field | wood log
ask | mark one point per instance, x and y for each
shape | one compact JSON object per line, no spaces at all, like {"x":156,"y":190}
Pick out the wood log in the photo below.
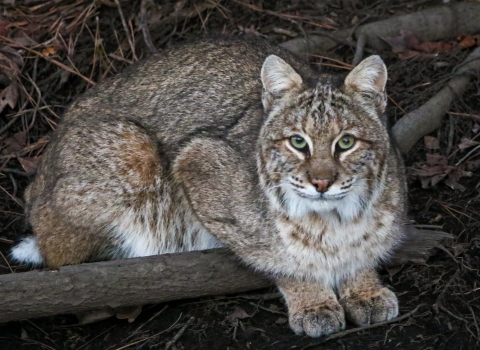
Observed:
{"x":155,"y":279}
{"x":436,"y":23}
{"x":110,"y":284}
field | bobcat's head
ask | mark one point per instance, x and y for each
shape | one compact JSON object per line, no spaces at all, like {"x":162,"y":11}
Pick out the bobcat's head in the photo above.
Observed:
{"x":323,"y":147}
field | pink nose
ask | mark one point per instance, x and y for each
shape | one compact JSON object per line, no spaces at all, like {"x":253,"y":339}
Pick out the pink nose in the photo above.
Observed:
{"x":321,"y":185}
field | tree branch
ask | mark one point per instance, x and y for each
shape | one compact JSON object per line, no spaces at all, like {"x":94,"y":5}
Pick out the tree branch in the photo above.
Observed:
{"x":148,"y":280}
{"x":435,"y":23}
{"x":428,"y":117}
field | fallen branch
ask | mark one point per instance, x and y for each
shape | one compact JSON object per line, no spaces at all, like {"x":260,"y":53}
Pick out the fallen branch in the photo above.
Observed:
{"x":111,"y":284}
{"x":156,"y":279}
{"x":435,"y":23}
{"x":428,"y":117}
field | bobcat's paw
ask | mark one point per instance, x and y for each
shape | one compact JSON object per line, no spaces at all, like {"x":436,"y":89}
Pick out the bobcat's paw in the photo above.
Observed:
{"x":318,"y":321}
{"x":367,"y":309}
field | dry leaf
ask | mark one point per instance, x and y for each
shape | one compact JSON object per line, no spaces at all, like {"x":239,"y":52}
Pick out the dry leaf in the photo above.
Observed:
{"x":436,"y":179}
{"x":12,"y":55}
{"x":237,"y":314}
{"x":454,"y":185}
{"x":8,"y":67}
{"x":401,"y":43}
{"x":15,"y":143}
{"x":4,"y":27}
{"x":23,"y":334}
{"x":128,"y":312}
{"x":9,"y":96}
{"x":437,"y":170}
{"x":429,"y":171}
{"x":35,"y":30}
{"x":433,"y":47}
{"x":21,"y":38}
{"x":466,"y":143}
{"x":92,"y":316}
{"x":29,"y":164}
{"x":436,"y":159}
{"x":467,"y":41}
{"x":431,"y":142}
{"x":407,"y":45}
{"x":472,"y":165}
{"x":476,"y":128}
{"x":49,"y":51}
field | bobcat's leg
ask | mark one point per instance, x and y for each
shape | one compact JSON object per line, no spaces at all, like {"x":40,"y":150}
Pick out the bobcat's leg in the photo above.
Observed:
{"x":313,"y":308}
{"x":365,"y":300}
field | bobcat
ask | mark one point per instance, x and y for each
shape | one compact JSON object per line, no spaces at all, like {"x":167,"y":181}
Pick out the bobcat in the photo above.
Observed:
{"x":231,"y":141}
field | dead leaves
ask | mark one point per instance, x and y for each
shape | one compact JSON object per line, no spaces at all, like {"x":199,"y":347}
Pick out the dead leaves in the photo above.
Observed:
{"x":467,"y":41}
{"x":237,"y":314}
{"x":14,"y":143}
{"x":29,"y":164}
{"x":436,"y":168}
{"x":9,"y":96}
{"x":408,"y":45}
{"x":16,"y":146}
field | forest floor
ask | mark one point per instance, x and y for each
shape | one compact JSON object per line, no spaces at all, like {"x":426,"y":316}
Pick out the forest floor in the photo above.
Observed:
{"x":52,"y":51}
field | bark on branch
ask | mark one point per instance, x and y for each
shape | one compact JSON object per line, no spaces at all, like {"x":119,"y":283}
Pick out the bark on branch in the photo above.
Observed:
{"x":437,"y":23}
{"x":111,"y":284}
{"x":428,"y":117}
{"x":130,"y":282}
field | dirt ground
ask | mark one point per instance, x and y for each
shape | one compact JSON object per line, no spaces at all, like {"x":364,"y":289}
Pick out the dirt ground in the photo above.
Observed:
{"x":51,"y":51}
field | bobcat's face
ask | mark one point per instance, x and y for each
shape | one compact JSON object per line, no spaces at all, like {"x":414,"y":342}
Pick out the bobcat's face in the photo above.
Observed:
{"x":322,"y":148}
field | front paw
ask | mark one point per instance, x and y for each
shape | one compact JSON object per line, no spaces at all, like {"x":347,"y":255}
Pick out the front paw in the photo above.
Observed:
{"x":364,"y":309}
{"x":318,"y":321}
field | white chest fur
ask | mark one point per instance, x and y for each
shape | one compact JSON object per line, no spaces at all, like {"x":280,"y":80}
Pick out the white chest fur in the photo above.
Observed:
{"x":324,"y":247}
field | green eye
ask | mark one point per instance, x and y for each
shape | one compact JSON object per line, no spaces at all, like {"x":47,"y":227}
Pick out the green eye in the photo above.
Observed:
{"x":299,"y":143}
{"x":346,"y":142}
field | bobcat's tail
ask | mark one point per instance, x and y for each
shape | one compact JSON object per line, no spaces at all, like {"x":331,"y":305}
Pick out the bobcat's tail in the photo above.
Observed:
{"x":27,"y":252}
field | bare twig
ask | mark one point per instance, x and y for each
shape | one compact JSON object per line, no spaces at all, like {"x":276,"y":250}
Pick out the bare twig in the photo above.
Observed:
{"x":284,"y":16}
{"x":96,"y":337}
{"x":9,"y":124}
{"x":475,"y":321}
{"x":144,"y":27}
{"x":6,"y":261}
{"x":359,"y":329}
{"x":451,"y":314}
{"x":14,"y":184}
{"x":127,"y":31}
{"x":180,"y":333}
{"x":468,"y":115}
{"x":149,"y":320}
{"x":467,"y":155}
{"x":269,"y":310}
{"x":451,"y":133}
{"x":150,"y":337}
{"x":60,"y":64}
{"x":359,"y":49}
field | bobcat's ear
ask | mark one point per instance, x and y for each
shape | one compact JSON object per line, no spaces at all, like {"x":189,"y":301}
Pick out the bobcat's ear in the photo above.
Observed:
{"x":278,"y":77}
{"x":369,"y":78}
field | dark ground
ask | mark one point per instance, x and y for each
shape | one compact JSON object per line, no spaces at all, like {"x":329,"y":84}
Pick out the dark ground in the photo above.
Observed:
{"x":90,"y":40}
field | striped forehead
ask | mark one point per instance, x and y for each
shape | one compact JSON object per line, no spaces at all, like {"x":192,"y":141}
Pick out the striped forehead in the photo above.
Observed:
{"x":324,"y":106}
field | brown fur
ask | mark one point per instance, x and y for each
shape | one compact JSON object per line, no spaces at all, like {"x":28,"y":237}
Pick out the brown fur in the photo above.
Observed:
{"x":192,"y":149}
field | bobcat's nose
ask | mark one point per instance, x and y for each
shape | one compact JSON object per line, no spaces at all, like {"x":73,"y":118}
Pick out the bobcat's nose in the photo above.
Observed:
{"x":321,"y":185}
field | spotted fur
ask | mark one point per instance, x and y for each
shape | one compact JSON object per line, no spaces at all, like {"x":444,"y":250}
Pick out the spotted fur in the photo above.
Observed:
{"x":192,"y":149}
